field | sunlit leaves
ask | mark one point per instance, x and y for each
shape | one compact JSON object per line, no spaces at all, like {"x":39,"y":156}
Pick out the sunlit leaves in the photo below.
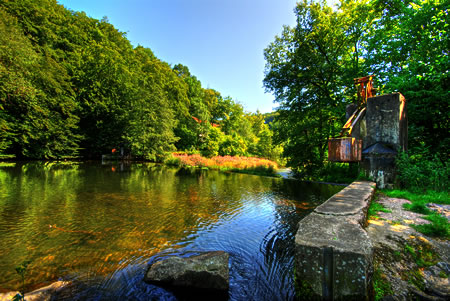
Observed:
{"x":310,"y":70}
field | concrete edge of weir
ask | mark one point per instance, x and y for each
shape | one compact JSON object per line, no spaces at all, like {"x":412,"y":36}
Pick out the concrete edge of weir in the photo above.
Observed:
{"x":333,"y":253}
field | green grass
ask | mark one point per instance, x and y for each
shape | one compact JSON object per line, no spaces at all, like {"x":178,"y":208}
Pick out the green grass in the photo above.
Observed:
{"x":376,"y":207}
{"x":381,"y":286}
{"x":431,"y":196}
{"x":439,"y":226}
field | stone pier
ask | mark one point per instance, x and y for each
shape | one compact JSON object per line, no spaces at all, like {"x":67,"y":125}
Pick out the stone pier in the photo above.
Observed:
{"x":333,"y":253}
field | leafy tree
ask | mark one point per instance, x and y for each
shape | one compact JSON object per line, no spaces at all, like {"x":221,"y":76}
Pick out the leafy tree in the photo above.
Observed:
{"x":408,"y":49}
{"x":309,"y":69}
{"x":213,"y":140}
{"x":232,"y":145}
{"x":71,"y":84}
{"x":149,"y":133}
{"x":38,"y":118}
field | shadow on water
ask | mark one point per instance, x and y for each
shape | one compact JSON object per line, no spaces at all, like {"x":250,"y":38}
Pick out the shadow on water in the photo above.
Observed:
{"x":101,"y":225}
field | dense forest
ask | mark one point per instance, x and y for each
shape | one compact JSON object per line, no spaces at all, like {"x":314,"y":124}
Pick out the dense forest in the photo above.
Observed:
{"x":310,"y":69}
{"x":71,"y":85}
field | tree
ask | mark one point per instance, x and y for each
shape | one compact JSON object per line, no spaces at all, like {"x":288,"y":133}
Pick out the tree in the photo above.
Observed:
{"x":36,"y":100}
{"x":151,"y":119}
{"x":310,"y":70}
{"x":408,"y":49}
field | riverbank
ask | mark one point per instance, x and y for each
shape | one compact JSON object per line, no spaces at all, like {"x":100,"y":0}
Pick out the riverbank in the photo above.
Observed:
{"x":247,"y":165}
{"x":408,"y":265}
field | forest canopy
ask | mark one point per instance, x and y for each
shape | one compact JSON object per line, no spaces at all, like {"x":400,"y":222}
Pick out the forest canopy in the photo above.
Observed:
{"x":71,"y":85}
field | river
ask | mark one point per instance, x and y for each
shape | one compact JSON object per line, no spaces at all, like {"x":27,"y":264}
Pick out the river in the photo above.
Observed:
{"x":101,"y":225}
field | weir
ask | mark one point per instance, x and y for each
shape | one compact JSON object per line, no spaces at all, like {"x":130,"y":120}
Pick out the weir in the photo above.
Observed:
{"x":333,"y":253}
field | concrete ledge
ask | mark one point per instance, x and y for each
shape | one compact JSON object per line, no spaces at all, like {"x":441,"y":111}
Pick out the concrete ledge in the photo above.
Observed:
{"x":334,"y":255}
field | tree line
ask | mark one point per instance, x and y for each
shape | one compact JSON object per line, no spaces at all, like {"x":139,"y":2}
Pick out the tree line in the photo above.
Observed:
{"x":72,"y":85}
{"x":310,"y":69}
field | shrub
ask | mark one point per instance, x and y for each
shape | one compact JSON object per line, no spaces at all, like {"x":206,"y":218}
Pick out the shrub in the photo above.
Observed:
{"x":420,"y":172}
{"x":241,"y":164}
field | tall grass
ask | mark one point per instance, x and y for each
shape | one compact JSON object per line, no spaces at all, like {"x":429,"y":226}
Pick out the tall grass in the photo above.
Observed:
{"x":233,"y":163}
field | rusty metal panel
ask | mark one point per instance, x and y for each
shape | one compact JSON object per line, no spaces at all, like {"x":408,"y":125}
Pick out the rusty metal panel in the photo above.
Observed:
{"x":344,"y":149}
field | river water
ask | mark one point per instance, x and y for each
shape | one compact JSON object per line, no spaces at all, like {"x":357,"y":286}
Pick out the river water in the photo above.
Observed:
{"x":101,"y":225}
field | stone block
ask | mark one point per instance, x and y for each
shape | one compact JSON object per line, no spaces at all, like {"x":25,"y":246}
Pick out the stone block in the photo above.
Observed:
{"x":333,"y":253}
{"x":386,"y":121}
{"x":333,"y":259}
{"x":353,"y":201}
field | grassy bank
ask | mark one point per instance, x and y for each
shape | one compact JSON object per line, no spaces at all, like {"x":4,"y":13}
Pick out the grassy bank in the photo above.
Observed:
{"x":439,"y":226}
{"x":248,"y":165}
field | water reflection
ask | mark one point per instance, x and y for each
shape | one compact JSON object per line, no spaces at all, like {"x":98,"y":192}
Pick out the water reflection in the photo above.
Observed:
{"x":100,"y":225}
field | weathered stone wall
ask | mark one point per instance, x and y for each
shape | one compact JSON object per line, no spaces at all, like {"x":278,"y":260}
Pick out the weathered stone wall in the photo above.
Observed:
{"x":334,"y":255}
{"x":387,"y":122}
{"x":384,"y":131}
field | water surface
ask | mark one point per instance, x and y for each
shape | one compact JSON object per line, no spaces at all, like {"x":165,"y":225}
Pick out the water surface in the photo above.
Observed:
{"x":101,"y":225}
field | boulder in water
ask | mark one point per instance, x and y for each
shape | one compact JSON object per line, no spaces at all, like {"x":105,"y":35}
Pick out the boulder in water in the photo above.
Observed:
{"x":200,"y":276}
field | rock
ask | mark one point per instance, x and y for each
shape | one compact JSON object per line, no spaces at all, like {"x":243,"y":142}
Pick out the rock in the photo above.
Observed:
{"x":409,"y":281}
{"x":441,"y":209}
{"x":8,"y":296}
{"x":202,"y":276}
{"x":42,"y":294}
{"x":435,"y":283}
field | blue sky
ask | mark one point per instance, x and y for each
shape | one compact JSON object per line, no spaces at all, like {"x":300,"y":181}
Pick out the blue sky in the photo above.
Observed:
{"x":221,"y":41}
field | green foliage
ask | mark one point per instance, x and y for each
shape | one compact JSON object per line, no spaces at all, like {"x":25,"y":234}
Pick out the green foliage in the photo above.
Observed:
{"x":336,"y":172}
{"x":310,"y":69}
{"x":420,"y":172}
{"x":232,"y":145}
{"x":269,"y":171}
{"x":423,"y":255}
{"x":36,"y":103}
{"x":430,"y":196}
{"x":72,"y":85}
{"x":170,"y":160}
{"x":407,"y":48}
{"x":21,"y":271}
{"x":439,"y":227}
{"x":381,"y":285}
{"x":374,"y":208}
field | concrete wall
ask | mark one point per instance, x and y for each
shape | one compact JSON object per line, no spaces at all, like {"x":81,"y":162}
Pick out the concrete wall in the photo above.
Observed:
{"x":386,"y":121}
{"x":333,"y":253}
{"x":384,"y":131}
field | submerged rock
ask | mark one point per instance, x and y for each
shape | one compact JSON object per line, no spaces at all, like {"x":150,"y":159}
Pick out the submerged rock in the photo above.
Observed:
{"x":201,"y":276}
{"x":42,"y":294}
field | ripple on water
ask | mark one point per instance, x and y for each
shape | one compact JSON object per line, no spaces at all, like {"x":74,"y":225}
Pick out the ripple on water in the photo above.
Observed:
{"x":101,"y":228}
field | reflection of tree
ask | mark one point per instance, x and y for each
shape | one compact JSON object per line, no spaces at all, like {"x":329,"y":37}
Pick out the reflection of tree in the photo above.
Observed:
{"x":74,"y":217}
{"x":103,"y":220}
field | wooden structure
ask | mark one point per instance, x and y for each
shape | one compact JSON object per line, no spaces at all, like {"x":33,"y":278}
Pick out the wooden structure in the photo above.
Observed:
{"x":345,"y":148}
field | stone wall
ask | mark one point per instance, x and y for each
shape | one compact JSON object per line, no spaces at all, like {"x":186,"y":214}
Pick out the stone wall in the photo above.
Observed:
{"x":384,"y":131}
{"x":386,"y":121}
{"x":333,"y":253}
